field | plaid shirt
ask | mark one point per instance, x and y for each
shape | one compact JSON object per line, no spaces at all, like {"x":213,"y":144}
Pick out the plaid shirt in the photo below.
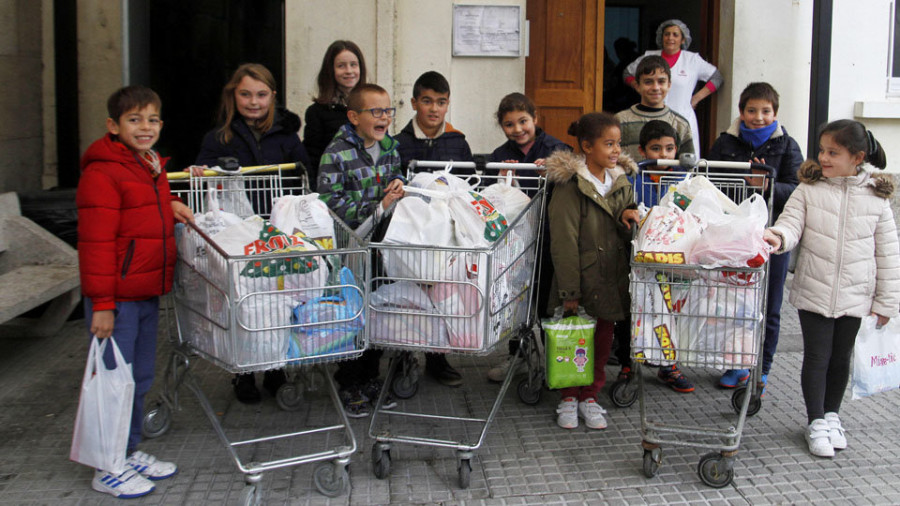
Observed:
{"x":350,"y":182}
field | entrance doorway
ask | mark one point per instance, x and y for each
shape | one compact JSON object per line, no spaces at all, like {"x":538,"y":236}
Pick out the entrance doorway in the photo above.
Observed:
{"x":578,"y":49}
{"x":194,"y":48}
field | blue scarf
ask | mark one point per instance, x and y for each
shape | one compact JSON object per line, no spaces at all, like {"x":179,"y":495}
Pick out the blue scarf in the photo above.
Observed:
{"x":757,"y":136}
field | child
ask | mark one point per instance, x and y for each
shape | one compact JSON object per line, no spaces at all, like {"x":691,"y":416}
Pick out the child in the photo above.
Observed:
{"x":757,"y":136}
{"x":429,"y":137}
{"x":359,"y":177}
{"x":126,"y":257}
{"x":848,"y":266}
{"x":657,"y":142}
{"x":654,"y":77}
{"x":590,"y":213}
{"x":255,"y":132}
{"x":527,"y":143}
{"x":343,"y":67}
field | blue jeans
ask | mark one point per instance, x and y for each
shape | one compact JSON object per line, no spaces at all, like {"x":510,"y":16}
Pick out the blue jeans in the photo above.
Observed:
{"x":778,"y":268}
{"x":135,"y":332}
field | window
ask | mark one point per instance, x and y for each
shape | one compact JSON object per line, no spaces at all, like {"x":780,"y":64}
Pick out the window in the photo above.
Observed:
{"x":894,"y":59}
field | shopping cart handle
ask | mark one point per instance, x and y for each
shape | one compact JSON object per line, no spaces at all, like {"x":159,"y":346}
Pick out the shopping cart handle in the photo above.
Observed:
{"x":171,"y":176}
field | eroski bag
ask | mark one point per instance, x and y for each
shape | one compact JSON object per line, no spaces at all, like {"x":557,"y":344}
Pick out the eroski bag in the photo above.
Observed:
{"x":103,"y":420}
{"x":570,"y":349}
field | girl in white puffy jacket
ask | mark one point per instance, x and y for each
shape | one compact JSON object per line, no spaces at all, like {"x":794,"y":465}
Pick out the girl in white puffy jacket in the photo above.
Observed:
{"x":848,"y":266}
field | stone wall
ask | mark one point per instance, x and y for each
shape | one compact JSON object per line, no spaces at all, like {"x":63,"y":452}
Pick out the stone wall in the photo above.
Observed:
{"x":21,"y":130}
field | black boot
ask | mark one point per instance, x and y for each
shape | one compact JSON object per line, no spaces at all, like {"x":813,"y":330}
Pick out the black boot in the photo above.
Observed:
{"x":245,"y":388}
{"x":437,"y":367}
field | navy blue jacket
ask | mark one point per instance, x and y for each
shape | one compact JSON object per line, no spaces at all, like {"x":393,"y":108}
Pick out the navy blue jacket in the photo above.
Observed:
{"x":322,"y":123}
{"x":280,"y":144}
{"x":544,"y":145}
{"x":780,"y":151}
{"x":449,"y":146}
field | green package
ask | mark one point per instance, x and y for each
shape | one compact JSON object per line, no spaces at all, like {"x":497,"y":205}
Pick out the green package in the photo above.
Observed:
{"x":570,"y":351}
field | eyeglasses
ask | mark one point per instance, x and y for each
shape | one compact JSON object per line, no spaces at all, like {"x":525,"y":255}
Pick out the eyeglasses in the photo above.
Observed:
{"x":377,"y":112}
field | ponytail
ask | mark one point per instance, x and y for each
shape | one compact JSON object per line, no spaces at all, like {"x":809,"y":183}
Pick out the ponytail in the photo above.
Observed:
{"x":592,"y":125}
{"x":856,"y":138}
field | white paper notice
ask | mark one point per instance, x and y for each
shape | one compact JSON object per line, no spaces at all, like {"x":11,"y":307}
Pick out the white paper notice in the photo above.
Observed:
{"x":486,"y":30}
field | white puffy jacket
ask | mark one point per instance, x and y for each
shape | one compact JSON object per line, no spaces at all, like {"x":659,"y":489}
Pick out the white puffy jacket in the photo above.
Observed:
{"x":849,"y":257}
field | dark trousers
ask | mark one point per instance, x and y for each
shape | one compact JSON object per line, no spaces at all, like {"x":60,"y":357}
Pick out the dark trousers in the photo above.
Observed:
{"x":359,"y":371}
{"x":778,"y":268}
{"x":827,"y":349}
{"x":622,"y":342}
{"x":135,"y":333}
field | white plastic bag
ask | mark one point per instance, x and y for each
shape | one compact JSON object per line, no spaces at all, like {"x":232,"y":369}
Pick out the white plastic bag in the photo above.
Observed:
{"x":306,"y":216}
{"x":103,"y":421}
{"x":735,"y":240}
{"x":691,"y":187}
{"x":656,"y":301}
{"x":508,"y":199}
{"x":443,"y":180}
{"x":666,"y":236}
{"x":391,"y":321}
{"x":876,"y":358}
{"x":231,"y":196}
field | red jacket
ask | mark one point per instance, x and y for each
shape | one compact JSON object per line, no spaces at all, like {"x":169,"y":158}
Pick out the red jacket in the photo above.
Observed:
{"x":126,"y":242}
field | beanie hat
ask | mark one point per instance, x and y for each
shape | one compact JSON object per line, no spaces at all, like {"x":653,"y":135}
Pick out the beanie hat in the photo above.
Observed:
{"x":685,"y":32}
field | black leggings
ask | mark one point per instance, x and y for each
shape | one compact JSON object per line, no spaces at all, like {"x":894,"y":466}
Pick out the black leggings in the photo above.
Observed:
{"x":827,"y":349}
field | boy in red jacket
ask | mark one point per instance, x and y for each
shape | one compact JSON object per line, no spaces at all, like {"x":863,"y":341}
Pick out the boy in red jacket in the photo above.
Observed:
{"x":126,"y":255}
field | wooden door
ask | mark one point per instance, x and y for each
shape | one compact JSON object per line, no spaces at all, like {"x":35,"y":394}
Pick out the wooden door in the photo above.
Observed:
{"x":564,"y":68}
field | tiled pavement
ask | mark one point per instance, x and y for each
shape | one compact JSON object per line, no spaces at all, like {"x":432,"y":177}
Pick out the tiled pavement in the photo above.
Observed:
{"x":525,"y":459}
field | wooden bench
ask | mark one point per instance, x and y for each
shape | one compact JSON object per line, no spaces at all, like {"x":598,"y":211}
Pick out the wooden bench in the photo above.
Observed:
{"x":35,"y":267}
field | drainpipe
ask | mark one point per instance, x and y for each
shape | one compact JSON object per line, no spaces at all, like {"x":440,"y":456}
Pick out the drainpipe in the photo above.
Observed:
{"x":820,"y":73}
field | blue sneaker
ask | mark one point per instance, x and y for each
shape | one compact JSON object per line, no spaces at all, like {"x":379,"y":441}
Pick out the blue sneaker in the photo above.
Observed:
{"x":764,"y":379}
{"x":734,"y":377}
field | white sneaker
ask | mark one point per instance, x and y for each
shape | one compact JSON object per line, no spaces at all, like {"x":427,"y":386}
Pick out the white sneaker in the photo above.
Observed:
{"x":150,"y":467}
{"x":817,"y":435}
{"x":498,"y":373}
{"x":567,"y":410}
{"x":592,"y":414}
{"x":127,"y":485}
{"x":835,"y":431}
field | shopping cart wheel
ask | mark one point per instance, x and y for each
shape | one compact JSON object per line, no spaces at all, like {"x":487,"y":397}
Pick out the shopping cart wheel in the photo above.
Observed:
{"x":156,"y":421}
{"x":715,"y":470}
{"x":622,"y":393}
{"x":331,"y":479}
{"x":529,"y":391}
{"x":251,"y":495}
{"x":737,"y":401}
{"x":381,"y":461}
{"x":289,"y":397}
{"x":405,"y":386}
{"x":652,"y":461}
{"x":465,"y":473}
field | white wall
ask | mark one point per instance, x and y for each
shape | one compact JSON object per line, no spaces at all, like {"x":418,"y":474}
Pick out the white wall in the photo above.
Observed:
{"x":400,"y":40}
{"x":776,"y":50}
{"x":859,"y":62}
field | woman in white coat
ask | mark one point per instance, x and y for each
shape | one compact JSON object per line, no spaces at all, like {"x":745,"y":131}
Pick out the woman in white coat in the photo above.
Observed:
{"x":688,"y":68}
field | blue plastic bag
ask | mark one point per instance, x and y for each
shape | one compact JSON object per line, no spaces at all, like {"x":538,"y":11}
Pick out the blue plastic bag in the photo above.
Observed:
{"x":327,"y":333}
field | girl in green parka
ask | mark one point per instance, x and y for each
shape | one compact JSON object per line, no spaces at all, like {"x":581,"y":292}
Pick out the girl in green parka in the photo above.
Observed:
{"x":590,"y":215}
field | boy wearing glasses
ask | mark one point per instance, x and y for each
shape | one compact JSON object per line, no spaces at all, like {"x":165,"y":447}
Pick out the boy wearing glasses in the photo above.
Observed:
{"x":359,"y":177}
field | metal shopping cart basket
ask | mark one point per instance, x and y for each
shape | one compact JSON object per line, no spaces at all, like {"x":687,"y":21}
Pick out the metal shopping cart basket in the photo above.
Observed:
{"x":451,"y":300}
{"x":699,"y":318}
{"x":230,"y":312}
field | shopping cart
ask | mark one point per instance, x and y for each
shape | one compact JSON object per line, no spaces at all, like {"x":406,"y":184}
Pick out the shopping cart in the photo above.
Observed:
{"x":231,"y":315}
{"x":467,"y":316}
{"x":699,"y":318}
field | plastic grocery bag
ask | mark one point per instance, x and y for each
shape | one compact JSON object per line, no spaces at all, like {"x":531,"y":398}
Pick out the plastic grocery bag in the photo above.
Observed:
{"x":508,"y":199}
{"x":401,"y":313}
{"x":690,"y":188}
{"x":461,"y":304}
{"x":306,"y":216}
{"x":734,"y":240}
{"x":666,"y":236}
{"x":442,"y":180}
{"x":338,"y":320}
{"x":570,"y":349}
{"x":656,"y":301}
{"x":420,"y":220}
{"x":103,"y":421}
{"x":231,"y":196}
{"x":876,"y":358}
